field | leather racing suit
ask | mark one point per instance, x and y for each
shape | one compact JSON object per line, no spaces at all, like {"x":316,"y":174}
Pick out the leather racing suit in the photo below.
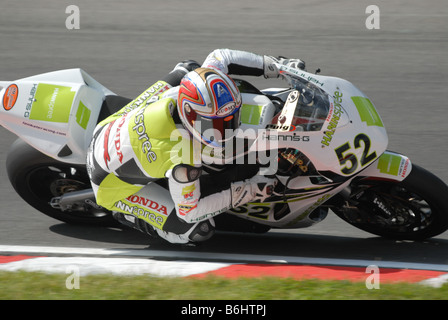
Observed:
{"x":131,"y":153}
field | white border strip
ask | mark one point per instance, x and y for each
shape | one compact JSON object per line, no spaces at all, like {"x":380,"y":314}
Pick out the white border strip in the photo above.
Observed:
{"x":212,"y":256}
{"x":116,"y":266}
{"x":437,"y":282}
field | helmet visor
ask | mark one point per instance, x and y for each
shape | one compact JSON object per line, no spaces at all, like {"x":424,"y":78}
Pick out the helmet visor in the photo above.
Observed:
{"x":216,"y":131}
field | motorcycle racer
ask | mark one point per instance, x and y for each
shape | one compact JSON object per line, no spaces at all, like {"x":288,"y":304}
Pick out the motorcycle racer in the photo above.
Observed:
{"x":131,"y":149}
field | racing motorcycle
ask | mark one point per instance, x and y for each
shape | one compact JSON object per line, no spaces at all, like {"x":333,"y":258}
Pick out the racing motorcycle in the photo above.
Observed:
{"x":326,"y":137}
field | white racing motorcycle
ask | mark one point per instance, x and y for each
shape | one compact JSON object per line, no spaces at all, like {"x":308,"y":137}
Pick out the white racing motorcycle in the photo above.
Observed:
{"x":330,"y":152}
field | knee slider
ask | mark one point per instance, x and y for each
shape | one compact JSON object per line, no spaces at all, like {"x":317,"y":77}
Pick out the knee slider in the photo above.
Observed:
{"x":202,"y":231}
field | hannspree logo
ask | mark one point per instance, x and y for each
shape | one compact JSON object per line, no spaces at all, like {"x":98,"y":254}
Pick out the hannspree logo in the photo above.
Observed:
{"x":10,"y":97}
{"x":332,"y":125}
{"x":140,"y":129}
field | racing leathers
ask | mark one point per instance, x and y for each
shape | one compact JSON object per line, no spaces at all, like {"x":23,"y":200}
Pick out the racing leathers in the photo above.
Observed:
{"x":144,"y":166}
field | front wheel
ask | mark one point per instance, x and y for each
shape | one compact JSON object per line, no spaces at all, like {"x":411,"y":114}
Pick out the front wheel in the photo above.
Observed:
{"x":413,"y":209}
{"x":38,"y":178}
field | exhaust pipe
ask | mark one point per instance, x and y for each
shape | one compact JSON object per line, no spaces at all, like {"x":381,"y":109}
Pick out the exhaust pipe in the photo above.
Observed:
{"x":75,"y":200}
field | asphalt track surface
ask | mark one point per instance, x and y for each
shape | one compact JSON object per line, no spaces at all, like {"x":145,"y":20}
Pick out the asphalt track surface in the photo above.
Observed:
{"x":128,"y":45}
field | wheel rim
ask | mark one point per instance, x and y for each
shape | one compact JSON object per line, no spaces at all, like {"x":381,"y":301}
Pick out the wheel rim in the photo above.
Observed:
{"x":390,"y":208}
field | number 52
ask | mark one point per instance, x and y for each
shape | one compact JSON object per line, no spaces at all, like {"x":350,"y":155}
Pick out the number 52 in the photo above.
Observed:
{"x":349,"y":160}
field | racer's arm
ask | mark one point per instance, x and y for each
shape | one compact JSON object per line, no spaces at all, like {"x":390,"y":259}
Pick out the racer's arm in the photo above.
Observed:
{"x":198,"y":198}
{"x":239,"y":62}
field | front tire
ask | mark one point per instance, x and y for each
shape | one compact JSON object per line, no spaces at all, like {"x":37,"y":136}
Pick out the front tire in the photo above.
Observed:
{"x":38,"y":178}
{"x":413,"y":209}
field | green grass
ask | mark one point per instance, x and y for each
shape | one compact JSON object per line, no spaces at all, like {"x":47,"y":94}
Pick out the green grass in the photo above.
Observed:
{"x":37,"y":286}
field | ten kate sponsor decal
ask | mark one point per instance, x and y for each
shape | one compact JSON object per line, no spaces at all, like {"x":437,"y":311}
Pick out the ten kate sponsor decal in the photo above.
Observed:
{"x":10,"y":97}
{"x":30,"y":101}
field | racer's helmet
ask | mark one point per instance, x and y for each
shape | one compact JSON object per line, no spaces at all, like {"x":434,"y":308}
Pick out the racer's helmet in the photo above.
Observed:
{"x":209,"y":105}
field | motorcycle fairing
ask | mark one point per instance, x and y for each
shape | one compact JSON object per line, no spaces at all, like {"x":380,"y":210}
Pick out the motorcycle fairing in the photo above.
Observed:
{"x":390,"y":166}
{"x":351,"y":141}
{"x":55,"y":112}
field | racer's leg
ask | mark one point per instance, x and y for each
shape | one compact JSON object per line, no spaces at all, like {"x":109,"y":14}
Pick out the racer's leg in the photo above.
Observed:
{"x":151,"y":211}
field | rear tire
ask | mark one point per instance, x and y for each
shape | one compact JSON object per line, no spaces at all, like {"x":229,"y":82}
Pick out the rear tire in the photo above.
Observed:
{"x":38,"y":178}
{"x":413,"y":209}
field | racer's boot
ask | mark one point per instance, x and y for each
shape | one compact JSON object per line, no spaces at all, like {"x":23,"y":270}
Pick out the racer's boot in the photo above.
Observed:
{"x":198,"y":232}
{"x":134,"y":223}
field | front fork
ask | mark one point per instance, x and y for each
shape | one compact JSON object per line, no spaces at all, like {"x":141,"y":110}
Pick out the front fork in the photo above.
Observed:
{"x":390,"y":166}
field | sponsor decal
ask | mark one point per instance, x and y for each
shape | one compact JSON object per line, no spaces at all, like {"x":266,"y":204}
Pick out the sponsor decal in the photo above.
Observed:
{"x":35,"y":126}
{"x":301,"y":74}
{"x":393,"y":164}
{"x":252,"y":114}
{"x":367,"y":111}
{"x":156,"y":89}
{"x":187,"y":192}
{"x":226,"y":110}
{"x":209,"y":215}
{"x":10,"y":97}
{"x":83,"y":115}
{"x":140,"y":130}
{"x":281,"y":127}
{"x":404,"y":165}
{"x":146,"y":209}
{"x":141,"y":213}
{"x":117,"y":140}
{"x":286,"y":137}
{"x":335,"y":117}
{"x":106,"y":155}
{"x":52,"y":103}
{"x":184,"y":208}
{"x":30,"y":101}
{"x":151,"y":204}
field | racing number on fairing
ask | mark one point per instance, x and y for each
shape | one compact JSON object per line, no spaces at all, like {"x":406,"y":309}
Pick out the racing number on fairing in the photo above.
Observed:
{"x":349,"y":160}
{"x":260,"y":211}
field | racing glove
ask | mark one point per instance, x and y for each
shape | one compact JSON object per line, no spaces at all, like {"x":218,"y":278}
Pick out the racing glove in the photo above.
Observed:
{"x":257,"y":188}
{"x":180,"y":70}
{"x":187,"y":66}
{"x":271,"y":70}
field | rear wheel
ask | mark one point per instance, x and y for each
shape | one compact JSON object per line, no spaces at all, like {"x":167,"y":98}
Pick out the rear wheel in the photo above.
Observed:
{"x":414,"y":209}
{"x":38,"y":178}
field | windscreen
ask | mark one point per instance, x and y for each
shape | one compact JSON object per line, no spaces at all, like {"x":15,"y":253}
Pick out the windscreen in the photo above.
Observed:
{"x":312,"y":107}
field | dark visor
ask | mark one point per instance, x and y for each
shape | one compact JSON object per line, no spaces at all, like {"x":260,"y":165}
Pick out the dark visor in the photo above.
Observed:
{"x":217,"y":130}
